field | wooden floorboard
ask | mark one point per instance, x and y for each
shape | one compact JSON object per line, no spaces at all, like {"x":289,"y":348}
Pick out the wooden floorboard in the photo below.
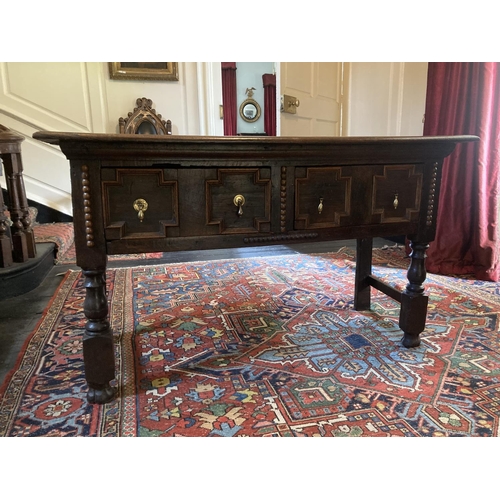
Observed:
{"x":20,"y":315}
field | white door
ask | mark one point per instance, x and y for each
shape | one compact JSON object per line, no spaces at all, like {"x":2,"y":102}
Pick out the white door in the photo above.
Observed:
{"x":318,"y":88}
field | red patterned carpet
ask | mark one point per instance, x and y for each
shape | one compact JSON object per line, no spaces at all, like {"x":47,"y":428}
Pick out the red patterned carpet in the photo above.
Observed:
{"x":62,"y":235}
{"x":59,"y":233}
{"x":69,"y":256}
{"x":264,"y":347}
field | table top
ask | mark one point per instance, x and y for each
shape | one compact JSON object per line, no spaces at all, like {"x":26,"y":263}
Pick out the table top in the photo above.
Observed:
{"x":355,"y":149}
{"x":58,"y":137}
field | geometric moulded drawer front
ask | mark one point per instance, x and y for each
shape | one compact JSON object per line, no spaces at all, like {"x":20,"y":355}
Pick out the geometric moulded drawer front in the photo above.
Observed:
{"x":138,"y":203}
{"x":322,"y":198}
{"x":396,"y":194}
{"x":238,"y":201}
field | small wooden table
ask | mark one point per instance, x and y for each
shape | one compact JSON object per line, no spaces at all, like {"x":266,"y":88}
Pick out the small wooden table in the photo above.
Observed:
{"x":138,"y":193}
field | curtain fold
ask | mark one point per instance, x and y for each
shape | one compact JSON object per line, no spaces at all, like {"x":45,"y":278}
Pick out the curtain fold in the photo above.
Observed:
{"x":229,"y":102}
{"x":269,"y":82}
{"x":464,"y":98}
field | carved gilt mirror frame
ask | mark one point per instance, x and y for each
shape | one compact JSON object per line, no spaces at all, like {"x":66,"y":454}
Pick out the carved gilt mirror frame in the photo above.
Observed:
{"x":144,"y":120}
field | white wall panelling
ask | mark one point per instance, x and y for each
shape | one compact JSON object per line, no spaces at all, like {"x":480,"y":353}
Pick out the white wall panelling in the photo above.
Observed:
{"x":384,"y":98}
{"x":52,"y":96}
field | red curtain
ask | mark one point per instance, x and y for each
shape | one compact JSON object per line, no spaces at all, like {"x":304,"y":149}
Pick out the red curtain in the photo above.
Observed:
{"x":229,"y":104}
{"x":269,"y":82}
{"x":464,"y":98}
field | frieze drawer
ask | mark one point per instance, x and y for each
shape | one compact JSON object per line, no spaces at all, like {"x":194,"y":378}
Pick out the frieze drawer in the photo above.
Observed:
{"x":239,"y":201}
{"x":337,"y":196}
{"x":139,"y":203}
{"x":397,"y":194}
{"x":172,"y":202}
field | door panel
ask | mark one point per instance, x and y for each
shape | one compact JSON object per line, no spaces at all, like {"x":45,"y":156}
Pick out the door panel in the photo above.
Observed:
{"x":318,"y":87}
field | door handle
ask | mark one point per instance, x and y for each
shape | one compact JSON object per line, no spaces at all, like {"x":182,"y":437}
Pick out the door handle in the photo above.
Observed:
{"x":289,"y":104}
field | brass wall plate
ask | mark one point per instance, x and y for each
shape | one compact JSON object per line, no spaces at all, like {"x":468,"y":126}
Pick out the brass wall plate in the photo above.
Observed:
{"x":289,"y":104}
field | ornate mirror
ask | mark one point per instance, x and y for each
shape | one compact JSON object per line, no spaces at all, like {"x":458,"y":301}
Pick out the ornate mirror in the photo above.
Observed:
{"x":144,"y":120}
{"x":250,"y":108}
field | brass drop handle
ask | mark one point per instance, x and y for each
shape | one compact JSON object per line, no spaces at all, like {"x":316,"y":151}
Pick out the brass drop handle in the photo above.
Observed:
{"x":395,"y":203}
{"x":239,"y":201}
{"x":140,"y":206}
{"x":320,"y":206}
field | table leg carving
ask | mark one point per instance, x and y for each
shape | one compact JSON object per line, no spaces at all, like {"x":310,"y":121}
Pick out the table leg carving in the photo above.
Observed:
{"x":98,"y":348}
{"x":413,"y":311}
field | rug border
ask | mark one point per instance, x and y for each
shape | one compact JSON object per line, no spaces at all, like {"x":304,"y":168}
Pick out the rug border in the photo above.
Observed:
{"x":65,"y":282}
{"x":28,"y":339}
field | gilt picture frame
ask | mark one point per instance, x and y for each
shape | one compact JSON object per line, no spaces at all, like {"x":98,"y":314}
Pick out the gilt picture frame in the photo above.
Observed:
{"x":144,"y":71}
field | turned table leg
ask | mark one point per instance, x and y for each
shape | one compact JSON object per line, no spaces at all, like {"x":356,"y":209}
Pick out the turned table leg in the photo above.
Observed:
{"x":98,"y":348}
{"x":23,"y":238}
{"x":413,"y":311}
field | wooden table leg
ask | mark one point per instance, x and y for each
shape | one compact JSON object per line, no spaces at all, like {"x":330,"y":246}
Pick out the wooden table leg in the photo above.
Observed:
{"x":23,"y":238}
{"x":413,"y":311}
{"x":362,"y":299}
{"x":98,"y":347}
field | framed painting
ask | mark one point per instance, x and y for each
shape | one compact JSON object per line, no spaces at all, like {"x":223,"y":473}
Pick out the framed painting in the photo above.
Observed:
{"x":143,"y":71}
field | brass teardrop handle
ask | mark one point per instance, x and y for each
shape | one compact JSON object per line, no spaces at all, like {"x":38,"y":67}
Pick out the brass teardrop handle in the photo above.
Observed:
{"x":395,"y":203}
{"x":140,"y":206}
{"x":320,"y":206}
{"x":239,"y":201}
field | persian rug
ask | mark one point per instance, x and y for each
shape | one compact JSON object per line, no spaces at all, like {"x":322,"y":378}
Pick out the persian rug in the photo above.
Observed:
{"x":264,"y":347}
{"x":62,"y":235}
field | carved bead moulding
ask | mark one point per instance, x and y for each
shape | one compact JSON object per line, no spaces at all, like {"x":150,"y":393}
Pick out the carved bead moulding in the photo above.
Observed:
{"x":89,"y":231}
